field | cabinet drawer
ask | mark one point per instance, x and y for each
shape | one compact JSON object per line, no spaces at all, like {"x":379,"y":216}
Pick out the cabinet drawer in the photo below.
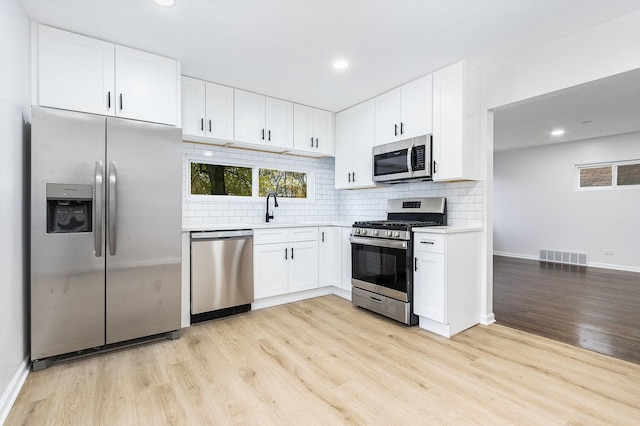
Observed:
{"x":432,"y":243}
{"x":307,"y":233}
{"x":270,"y":236}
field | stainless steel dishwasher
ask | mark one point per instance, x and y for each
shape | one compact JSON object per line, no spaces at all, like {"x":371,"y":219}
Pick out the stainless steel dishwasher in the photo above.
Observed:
{"x":221,"y":273}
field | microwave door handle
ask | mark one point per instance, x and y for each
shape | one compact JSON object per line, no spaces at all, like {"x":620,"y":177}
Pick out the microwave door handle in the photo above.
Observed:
{"x":410,"y":158}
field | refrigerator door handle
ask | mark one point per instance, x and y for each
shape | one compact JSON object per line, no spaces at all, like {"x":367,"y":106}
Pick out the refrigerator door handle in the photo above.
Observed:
{"x":97,"y":210}
{"x":111,"y":215}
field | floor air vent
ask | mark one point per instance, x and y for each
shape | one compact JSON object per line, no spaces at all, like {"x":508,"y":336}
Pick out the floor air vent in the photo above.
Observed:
{"x":568,"y":257}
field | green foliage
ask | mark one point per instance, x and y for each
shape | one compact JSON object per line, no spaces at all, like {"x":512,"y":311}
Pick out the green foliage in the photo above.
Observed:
{"x":282,"y":183}
{"x":214,"y":179}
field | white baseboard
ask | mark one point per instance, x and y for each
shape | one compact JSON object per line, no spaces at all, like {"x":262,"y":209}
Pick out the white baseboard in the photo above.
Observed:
{"x":487,"y":319}
{"x":11,"y":393}
{"x":268,"y":302}
{"x":516,"y":255}
{"x":590,"y":264}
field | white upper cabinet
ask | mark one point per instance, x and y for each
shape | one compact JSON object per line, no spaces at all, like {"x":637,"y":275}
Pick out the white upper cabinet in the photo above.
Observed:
{"x":219,"y":112}
{"x":207,"y":109}
{"x":354,"y":142}
{"x":312,"y":130}
{"x":75,"y":72}
{"x":456,"y":122}
{"x":146,"y":86}
{"x":263,"y":121}
{"x":83,"y":74}
{"x":405,"y":112}
{"x":193,"y":106}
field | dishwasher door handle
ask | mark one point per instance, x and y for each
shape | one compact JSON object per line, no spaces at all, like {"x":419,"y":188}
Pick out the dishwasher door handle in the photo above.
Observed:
{"x":217,"y":235}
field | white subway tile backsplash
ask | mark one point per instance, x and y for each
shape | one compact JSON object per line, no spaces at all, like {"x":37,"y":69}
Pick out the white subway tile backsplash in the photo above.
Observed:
{"x":464,"y":199}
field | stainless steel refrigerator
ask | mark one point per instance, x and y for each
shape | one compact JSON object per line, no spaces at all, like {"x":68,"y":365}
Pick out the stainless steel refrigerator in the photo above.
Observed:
{"x":105,"y":231}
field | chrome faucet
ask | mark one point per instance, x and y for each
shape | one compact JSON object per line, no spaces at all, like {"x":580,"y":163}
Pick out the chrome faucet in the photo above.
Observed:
{"x":275,"y":200}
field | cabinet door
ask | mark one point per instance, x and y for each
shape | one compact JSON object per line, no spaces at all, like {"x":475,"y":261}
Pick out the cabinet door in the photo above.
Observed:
{"x":219,"y":120}
{"x":345,"y":142}
{"x":447,"y":122}
{"x":270,"y":269}
{"x":75,"y":72}
{"x":303,"y":136}
{"x":146,"y":86}
{"x":303,"y":266}
{"x":249,"y":113}
{"x":346,"y":259}
{"x":429,"y":286}
{"x":362,"y":158}
{"x":387,"y":117}
{"x":417,"y":107}
{"x":323,"y":131}
{"x":193,"y":106}
{"x":330,"y":256}
{"x":279,"y":123}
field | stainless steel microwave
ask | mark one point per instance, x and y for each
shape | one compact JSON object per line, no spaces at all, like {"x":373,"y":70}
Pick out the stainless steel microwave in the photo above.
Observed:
{"x":403,"y":160}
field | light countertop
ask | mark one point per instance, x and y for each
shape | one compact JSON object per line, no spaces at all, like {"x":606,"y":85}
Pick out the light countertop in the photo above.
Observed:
{"x":445,"y":229}
{"x":232,"y":226}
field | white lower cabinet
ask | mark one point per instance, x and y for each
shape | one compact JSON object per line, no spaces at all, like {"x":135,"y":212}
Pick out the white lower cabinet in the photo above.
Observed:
{"x":447,"y":280}
{"x":285,"y":260}
{"x":330,"y":256}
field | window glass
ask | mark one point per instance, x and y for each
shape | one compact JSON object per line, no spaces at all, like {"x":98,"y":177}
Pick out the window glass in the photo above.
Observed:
{"x":216,"y":179}
{"x":629,"y":174}
{"x":595,"y":176}
{"x":283,"y":183}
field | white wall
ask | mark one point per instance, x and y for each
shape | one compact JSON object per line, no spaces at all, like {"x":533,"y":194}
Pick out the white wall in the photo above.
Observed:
{"x":537,"y":206}
{"x":14,"y":111}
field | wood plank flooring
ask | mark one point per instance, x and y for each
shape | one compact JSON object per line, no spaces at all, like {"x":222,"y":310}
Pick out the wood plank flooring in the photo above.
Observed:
{"x":322,"y":361}
{"x":594,"y":308}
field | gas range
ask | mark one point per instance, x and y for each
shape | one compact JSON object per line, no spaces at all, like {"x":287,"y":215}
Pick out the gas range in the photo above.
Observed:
{"x":382,"y":256}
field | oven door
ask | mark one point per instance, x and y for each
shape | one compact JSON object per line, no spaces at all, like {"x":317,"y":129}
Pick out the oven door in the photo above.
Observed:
{"x":380,"y":266}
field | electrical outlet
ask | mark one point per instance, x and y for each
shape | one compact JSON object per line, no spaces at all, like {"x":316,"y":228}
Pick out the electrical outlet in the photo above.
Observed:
{"x":609,"y":252}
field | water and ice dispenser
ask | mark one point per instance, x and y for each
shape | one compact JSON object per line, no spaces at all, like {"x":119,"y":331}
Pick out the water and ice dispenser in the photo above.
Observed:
{"x":69,"y":208}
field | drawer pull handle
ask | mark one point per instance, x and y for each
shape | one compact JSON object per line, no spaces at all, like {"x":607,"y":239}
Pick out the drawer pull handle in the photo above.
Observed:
{"x":427,"y":242}
{"x":375,"y":299}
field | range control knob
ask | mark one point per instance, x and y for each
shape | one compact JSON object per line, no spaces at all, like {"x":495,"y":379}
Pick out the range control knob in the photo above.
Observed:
{"x":363,"y":232}
{"x":356,"y":231}
{"x":396,"y":234}
{"x":388,"y":234}
{"x":375,"y":233}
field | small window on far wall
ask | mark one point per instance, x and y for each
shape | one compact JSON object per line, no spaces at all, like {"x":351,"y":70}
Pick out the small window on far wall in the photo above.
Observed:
{"x":217,"y":179}
{"x":623,"y":174}
{"x":283,"y":183}
{"x":628,"y":174}
{"x":595,"y":176}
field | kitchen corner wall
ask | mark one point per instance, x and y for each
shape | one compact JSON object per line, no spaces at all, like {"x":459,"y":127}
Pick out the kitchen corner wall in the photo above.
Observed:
{"x":464,"y":199}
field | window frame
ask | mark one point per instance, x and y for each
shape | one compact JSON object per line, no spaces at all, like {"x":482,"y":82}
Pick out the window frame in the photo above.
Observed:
{"x":614,"y":176}
{"x":254,"y":166}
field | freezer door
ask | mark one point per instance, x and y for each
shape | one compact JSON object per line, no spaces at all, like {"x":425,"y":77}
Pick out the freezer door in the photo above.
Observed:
{"x":144,"y":223}
{"x":67,"y":263}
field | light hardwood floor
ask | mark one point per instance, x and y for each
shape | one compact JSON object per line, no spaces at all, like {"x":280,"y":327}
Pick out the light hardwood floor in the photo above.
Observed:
{"x":322,"y":361}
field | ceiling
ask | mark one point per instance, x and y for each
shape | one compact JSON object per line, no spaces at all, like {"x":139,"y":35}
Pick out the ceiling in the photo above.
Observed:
{"x":285,"y":48}
{"x":604,"y":107}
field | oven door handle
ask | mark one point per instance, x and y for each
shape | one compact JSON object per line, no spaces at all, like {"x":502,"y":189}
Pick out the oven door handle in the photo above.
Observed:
{"x":378,"y":242}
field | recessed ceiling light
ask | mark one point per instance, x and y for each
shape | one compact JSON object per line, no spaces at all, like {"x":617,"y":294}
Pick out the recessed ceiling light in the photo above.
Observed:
{"x":165,"y":3}
{"x":340,"y":64}
{"x":557,"y":132}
